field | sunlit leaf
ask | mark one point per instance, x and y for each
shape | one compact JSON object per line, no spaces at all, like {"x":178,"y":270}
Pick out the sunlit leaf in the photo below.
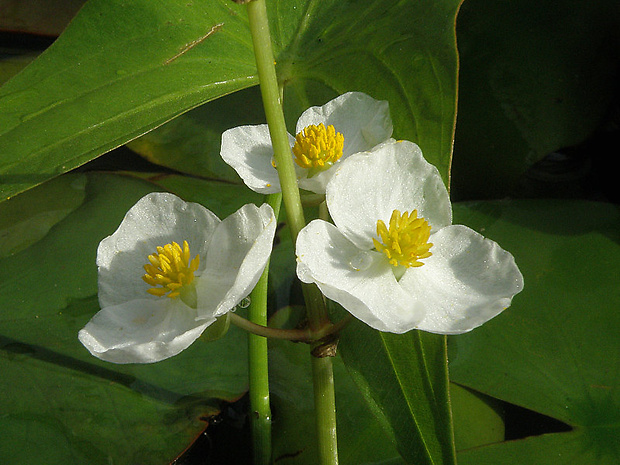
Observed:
{"x":122,"y":69}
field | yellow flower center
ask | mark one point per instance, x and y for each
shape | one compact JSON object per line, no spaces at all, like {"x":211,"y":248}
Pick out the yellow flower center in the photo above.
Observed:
{"x":317,"y":148}
{"x":170,"y":270}
{"x":405,"y":242}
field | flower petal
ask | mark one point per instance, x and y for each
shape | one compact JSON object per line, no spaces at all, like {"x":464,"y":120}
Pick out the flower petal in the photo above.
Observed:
{"x":155,"y":220}
{"x":249,"y":151}
{"x":142,"y":331}
{"x":363,"y":121}
{"x":361,"y":281}
{"x":369,"y":186}
{"x":316,"y":183}
{"x":237,"y":256}
{"x":467,"y":281}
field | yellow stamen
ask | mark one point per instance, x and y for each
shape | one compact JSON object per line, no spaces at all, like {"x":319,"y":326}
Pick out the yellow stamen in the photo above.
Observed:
{"x":317,"y":148}
{"x":405,"y":242}
{"x":171,"y":269}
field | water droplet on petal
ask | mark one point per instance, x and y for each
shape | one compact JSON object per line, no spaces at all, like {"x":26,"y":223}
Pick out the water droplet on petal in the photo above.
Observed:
{"x":361,"y":261}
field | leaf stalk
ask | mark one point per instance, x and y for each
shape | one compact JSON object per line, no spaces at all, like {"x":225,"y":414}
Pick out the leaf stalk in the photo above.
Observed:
{"x":322,"y":370}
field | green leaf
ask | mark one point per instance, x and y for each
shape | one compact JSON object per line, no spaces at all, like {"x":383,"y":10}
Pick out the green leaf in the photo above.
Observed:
{"x":404,"y":379}
{"x":535,"y":77}
{"x":59,"y":404}
{"x":25,"y":220}
{"x":13,"y":63}
{"x":221,"y":197}
{"x":124,"y":68}
{"x":311,"y":66}
{"x":400,"y":51}
{"x":554,"y":351}
{"x":191,"y":142}
{"x":478,"y":419}
{"x":119,"y":70}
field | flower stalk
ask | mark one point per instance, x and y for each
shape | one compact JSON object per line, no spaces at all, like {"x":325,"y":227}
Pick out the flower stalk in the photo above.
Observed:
{"x":272,"y":103}
{"x":260,"y":407}
{"x":325,"y":334}
{"x":325,"y":405}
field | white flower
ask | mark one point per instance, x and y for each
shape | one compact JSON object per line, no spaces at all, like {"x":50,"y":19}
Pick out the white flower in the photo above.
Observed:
{"x":393,"y":259}
{"x":351,"y":123}
{"x":170,"y":269}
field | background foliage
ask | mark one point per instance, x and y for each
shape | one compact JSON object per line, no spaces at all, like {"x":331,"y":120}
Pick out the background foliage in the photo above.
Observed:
{"x":538,"y":99}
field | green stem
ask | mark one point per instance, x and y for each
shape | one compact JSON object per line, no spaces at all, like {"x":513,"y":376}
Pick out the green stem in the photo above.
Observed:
{"x":263,"y":332}
{"x":260,"y":408}
{"x":295,"y":335}
{"x":322,"y":371}
{"x":325,"y":408}
{"x":259,"y":27}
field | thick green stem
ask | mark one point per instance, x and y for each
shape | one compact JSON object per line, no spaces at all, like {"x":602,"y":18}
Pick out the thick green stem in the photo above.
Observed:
{"x":260,"y":407}
{"x":322,"y":370}
{"x":325,"y":408}
{"x":259,"y":27}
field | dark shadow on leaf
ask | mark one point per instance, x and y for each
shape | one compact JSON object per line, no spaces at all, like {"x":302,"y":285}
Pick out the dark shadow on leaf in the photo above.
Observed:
{"x":16,"y":350}
{"x":522,"y":423}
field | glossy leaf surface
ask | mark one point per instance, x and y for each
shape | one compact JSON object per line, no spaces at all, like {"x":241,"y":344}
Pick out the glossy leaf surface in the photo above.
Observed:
{"x":555,"y":350}
{"x":121,"y":69}
{"x":405,"y":381}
